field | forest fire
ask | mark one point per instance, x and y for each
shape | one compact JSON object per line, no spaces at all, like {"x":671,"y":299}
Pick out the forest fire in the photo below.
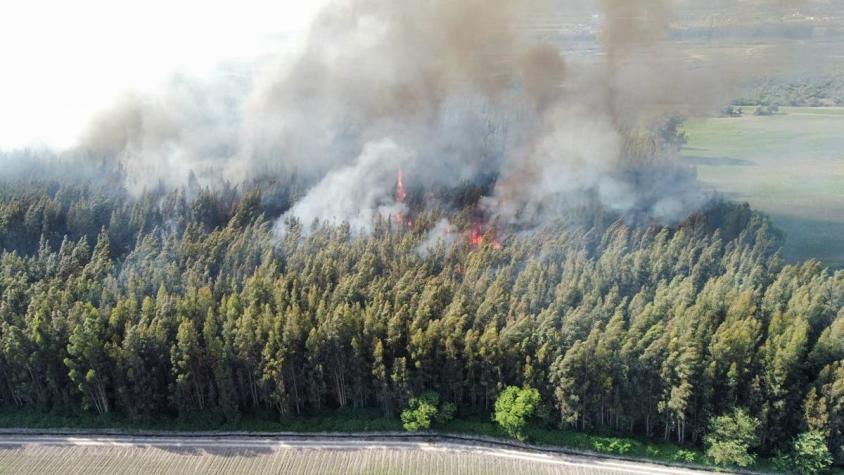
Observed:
{"x":477,"y":237}
{"x":401,"y":194}
{"x":400,"y":197}
{"x":562,"y":258}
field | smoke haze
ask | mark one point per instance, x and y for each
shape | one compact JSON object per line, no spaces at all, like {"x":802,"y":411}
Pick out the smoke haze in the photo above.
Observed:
{"x":450,"y":91}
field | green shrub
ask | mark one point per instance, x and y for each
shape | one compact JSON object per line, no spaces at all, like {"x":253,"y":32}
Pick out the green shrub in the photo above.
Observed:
{"x":811,"y":454}
{"x":731,"y":437}
{"x":424,"y":410}
{"x":685,"y":456}
{"x":612,"y":445}
{"x":514,"y":408}
{"x":781,"y":462}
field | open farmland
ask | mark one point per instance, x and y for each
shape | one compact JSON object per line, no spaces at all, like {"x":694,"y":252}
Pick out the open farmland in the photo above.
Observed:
{"x":241,"y":455}
{"x":789,"y":165}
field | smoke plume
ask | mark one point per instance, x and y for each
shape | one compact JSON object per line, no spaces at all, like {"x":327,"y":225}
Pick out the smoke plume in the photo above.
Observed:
{"x":450,"y":91}
{"x":464,"y":88}
{"x":355,"y":193}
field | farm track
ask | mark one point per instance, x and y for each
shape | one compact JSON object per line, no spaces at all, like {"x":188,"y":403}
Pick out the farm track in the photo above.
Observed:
{"x":39,"y":452}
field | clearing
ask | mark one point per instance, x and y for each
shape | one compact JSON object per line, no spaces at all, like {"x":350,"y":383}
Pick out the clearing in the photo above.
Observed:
{"x":789,"y":165}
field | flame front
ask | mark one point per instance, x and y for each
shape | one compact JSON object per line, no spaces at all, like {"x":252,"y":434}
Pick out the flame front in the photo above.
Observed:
{"x":477,"y":237}
{"x":400,"y":197}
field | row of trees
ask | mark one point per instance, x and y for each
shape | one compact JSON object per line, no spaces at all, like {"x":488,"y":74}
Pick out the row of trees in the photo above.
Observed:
{"x":732,"y":437}
{"x":805,"y":91}
{"x":172,"y":305}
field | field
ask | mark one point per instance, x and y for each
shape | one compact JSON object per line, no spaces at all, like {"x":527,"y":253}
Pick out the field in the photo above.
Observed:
{"x":359,"y":422}
{"x":75,"y":460}
{"x":789,"y":165}
{"x":222,"y":454}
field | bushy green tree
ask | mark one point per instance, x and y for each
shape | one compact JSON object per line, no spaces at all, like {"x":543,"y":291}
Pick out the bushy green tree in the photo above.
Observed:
{"x":424,"y":410}
{"x":810,"y":453}
{"x":731,"y":437}
{"x":514,"y":409}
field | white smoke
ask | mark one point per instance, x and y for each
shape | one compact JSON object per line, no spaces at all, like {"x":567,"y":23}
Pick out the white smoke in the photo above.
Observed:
{"x":355,"y":193}
{"x":442,"y":234}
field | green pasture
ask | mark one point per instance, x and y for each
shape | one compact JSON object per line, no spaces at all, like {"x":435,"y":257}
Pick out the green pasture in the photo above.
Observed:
{"x":789,"y":165}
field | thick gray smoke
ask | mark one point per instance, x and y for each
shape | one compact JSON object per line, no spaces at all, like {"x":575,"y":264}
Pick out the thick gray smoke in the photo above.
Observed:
{"x":448,"y":90}
{"x":464,"y":88}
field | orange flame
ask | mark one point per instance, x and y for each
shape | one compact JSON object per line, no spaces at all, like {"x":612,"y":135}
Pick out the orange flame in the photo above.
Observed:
{"x":477,"y":237}
{"x":401,"y":196}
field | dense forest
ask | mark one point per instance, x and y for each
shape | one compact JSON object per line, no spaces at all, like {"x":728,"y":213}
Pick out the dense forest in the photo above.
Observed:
{"x":177,"y":302}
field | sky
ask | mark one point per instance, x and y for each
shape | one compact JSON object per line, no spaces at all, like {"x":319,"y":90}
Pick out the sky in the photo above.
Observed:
{"x":62,"y":62}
